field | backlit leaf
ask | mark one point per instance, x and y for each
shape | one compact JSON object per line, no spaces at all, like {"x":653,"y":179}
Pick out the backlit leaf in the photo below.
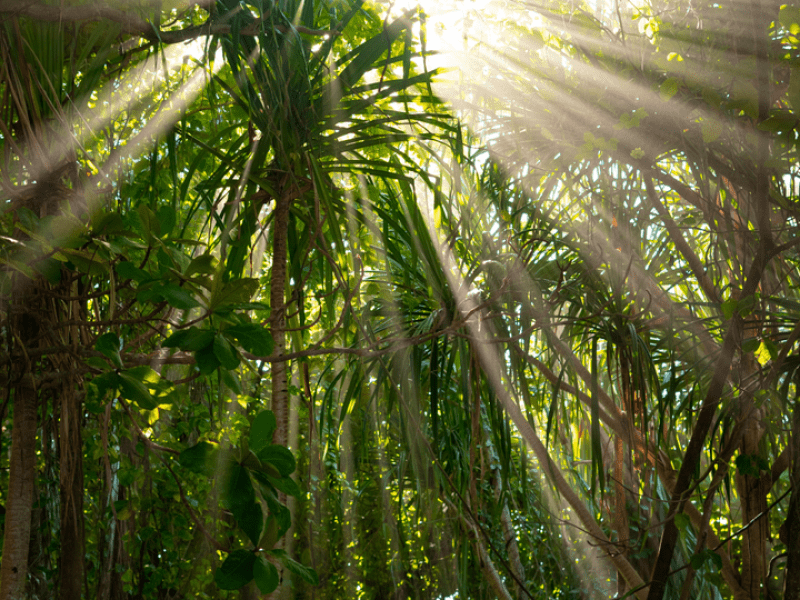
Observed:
{"x":134,"y":389}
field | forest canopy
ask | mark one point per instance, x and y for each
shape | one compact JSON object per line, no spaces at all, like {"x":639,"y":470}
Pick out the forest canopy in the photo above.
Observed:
{"x":332,"y":299}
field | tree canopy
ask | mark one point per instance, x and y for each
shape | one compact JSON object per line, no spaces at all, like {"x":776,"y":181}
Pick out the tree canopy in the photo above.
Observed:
{"x":295,"y":307}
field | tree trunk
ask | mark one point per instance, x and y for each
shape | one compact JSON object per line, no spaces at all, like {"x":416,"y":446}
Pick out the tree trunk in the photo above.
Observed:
{"x":790,"y":532}
{"x":22,"y":476}
{"x":70,"y":564}
{"x":279,"y":368}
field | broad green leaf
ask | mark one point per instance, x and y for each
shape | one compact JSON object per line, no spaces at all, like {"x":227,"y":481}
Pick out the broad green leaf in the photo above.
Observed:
{"x":287,"y":485}
{"x":95,"y":362}
{"x":27,"y":218}
{"x":283,"y":517}
{"x":204,"y":263}
{"x":105,"y":382}
{"x":682,"y":521}
{"x":261,"y":430}
{"x":237,"y":490}
{"x":177,"y":296}
{"x":85,"y":262}
{"x":127,"y":270}
{"x":236,"y":571}
{"x":231,"y":380}
{"x":206,"y":360}
{"x":225,"y":353}
{"x":307,"y":574}
{"x":729,"y":308}
{"x":50,"y":269}
{"x":233,"y":292}
{"x":166,"y":218}
{"x":751,"y":344}
{"x":191,"y":339}
{"x":254,"y":338}
{"x":261,"y":470}
{"x":279,"y":456}
{"x":266,"y":575}
{"x":109,"y":345}
{"x":251,"y":520}
{"x":200,"y":458}
{"x":134,"y":389}
{"x":107,"y":223}
{"x":270,"y":536}
{"x":146,"y":374}
{"x":148,"y":222}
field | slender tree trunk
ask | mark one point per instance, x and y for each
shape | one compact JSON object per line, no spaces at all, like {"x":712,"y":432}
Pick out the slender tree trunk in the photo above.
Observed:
{"x":72,"y":554}
{"x":279,"y":369}
{"x":791,"y":527}
{"x":24,"y":323}
{"x":753,"y":493}
{"x":22,"y":476}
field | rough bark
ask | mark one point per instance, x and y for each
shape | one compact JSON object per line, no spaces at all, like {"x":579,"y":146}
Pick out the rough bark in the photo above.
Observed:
{"x":22,"y":476}
{"x":279,"y":369}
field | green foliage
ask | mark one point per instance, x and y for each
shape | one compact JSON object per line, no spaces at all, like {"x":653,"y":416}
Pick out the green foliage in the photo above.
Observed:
{"x":617,"y":222}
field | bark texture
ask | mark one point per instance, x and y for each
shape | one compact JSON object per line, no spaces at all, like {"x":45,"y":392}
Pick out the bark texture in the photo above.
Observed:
{"x":22,"y":476}
{"x":280,"y":370}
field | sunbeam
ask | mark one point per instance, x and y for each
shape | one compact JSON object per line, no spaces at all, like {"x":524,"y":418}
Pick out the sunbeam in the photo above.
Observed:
{"x":339,"y":299}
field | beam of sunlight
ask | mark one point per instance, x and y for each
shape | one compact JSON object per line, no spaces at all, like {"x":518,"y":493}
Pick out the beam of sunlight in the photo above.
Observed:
{"x":491,"y":362}
{"x":120,"y":97}
{"x":523,"y":85}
